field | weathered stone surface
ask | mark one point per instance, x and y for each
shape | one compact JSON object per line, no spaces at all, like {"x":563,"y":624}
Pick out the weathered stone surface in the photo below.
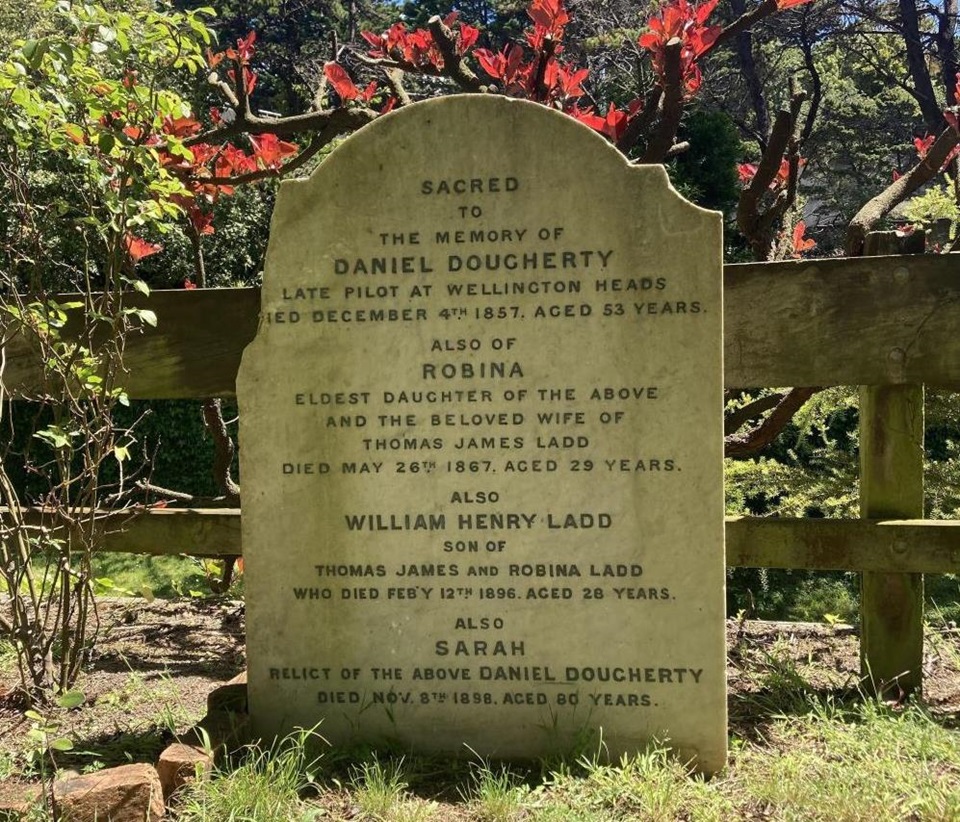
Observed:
{"x":179,"y":764}
{"x":231,"y":696}
{"x":129,"y":793}
{"x":224,"y":732}
{"x":482,"y":447}
{"x":17,"y":800}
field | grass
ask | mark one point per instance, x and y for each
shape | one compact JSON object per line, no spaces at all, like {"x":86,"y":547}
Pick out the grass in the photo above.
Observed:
{"x":817,"y":761}
{"x":495,"y":794}
{"x":378,"y":788}
{"x":161,"y":576}
{"x":865,"y":761}
{"x":262,"y":786}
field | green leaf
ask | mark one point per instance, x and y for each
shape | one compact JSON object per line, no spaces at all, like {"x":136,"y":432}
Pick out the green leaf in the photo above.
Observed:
{"x":147,"y":593}
{"x":64,"y":51}
{"x":106,"y":142}
{"x":54,"y":436}
{"x":33,"y":51}
{"x":61,"y":744}
{"x":98,"y":47}
{"x":142,"y":287}
{"x":148,"y":316}
{"x":31,"y":714}
{"x":71,"y":699}
{"x":121,"y":452}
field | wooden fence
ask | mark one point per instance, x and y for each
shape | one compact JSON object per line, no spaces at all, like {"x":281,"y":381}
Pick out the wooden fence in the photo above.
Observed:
{"x":890,"y":324}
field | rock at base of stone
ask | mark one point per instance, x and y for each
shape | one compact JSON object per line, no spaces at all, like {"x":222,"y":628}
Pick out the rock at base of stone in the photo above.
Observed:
{"x":18,"y":800}
{"x":129,"y":793}
{"x":180,"y":764}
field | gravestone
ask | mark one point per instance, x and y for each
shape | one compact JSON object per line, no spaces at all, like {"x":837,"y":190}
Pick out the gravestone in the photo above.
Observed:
{"x":481,"y":446}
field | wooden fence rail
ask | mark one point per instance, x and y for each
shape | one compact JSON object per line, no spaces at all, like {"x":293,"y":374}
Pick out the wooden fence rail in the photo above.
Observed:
{"x":861,"y":321}
{"x":867,"y":321}
{"x":902,"y":546}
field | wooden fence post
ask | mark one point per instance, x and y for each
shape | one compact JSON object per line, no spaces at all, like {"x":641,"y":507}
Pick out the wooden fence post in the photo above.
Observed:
{"x":891,"y":487}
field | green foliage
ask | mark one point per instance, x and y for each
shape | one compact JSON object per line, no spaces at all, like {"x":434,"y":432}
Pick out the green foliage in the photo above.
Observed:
{"x":293,"y":41}
{"x":707,"y":171}
{"x":233,"y":255}
{"x":80,"y":183}
{"x":652,"y":784}
{"x":378,"y":787}
{"x":82,"y":105}
{"x":864,"y":129}
{"x":935,"y":210}
{"x":172,"y":437}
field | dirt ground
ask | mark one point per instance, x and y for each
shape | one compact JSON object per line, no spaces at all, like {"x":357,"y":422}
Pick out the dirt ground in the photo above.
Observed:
{"x":156,"y":662}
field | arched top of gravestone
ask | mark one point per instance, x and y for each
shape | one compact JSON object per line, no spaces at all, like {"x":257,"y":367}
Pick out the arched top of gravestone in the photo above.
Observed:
{"x":435,"y":155}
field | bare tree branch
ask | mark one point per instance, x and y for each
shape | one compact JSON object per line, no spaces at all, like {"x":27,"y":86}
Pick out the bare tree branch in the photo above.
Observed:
{"x":223,"y":449}
{"x":759,"y":437}
{"x":671,"y":106}
{"x":454,"y":66}
{"x":394,"y":78}
{"x":334,"y":121}
{"x":759,"y":227}
{"x":735,"y":420}
{"x":876,"y":209}
{"x":917,"y":63}
{"x":742,"y":23}
{"x":639,"y":125}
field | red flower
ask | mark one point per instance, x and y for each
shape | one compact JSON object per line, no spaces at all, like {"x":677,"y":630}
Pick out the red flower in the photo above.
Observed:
{"x":138,"y":248}
{"x":245,"y":47}
{"x":341,"y":82}
{"x":923,"y":144}
{"x":680,"y":19}
{"x":270,"y":150}
{"x":800,"y":245}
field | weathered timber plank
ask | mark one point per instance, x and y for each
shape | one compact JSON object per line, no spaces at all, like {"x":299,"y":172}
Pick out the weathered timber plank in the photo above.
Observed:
{"x":901,"y":546}
{"x":857,"y":321}
{"x":917,"y":546}
{"x":203,"y":532}
{"x":891,"y":320}
{"x":891,"y":485}
{"x":200,"y":532}
{"x":194,"y":352}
